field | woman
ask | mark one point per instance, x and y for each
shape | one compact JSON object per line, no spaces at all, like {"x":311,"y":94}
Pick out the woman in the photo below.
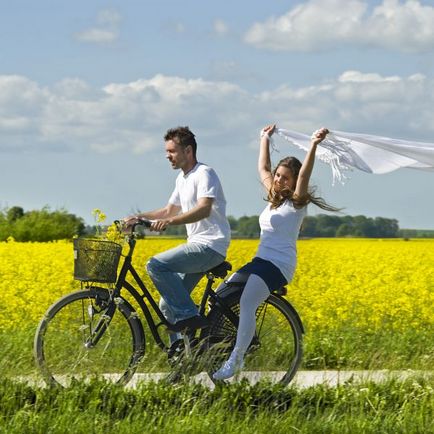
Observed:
{"x":274,"y":262}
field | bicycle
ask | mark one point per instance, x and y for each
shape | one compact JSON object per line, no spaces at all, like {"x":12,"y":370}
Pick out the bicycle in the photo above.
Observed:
{"x":97,"y":331}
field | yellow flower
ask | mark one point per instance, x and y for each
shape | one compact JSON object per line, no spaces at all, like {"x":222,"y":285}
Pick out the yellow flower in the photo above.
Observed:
{"x":98,"y":215}
{"x":339,"y":283}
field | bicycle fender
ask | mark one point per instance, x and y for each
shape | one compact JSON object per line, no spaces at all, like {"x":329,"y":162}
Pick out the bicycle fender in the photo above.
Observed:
{"x":127,"y":305}
{"x":133,"y":315}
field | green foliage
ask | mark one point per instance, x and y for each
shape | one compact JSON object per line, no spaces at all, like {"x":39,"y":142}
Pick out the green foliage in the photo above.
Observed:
{"x":324,"y":225}
{"x":179,"y":231}
{"x":416,"y":233}
{"x":249,"y":227}
{"x":39,"y":225}
{"x":101,"y":407}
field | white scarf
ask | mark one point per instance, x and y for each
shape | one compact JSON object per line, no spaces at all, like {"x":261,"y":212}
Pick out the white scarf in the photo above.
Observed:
{"x":372,"y":154}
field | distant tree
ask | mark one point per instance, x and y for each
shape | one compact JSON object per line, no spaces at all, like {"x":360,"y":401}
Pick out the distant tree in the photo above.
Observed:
{"x":4,"y":226}
{"x":416,"y":233}
{"x":364,"y":227}
{"x":386,"y":228}
{"x":344,"y":230}
{"x":248,"y":227}
{"x":321,"y":225}
{"x":178,"y":230}
{"x":233,"y":223}
{"x":324,"y":225}
{"x":14,"y":213}
{"x":40,"y":225}
{"x":308,"y":228}
{"x":327,"y":225}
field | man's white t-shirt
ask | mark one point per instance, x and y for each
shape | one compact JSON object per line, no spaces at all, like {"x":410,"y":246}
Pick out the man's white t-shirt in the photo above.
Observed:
{"x":279,"y":232}
{"x":202,"y":181}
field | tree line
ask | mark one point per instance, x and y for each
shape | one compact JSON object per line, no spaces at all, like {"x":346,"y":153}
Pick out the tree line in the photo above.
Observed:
{"x":49,"y":225}
{"x":322,"y":225}
{"x":39,"y":225}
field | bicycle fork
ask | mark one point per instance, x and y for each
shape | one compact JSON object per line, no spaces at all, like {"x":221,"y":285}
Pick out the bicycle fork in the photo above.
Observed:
{"x":101,"y":326}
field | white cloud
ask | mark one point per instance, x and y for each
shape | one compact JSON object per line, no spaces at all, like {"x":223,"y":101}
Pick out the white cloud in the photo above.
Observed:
{"x":220,"y":27}
{"x":108,"y":17}
{"x":98,"y":36}
{"x":358,"y":77}
{"x":179,"y":27}
{"x":72,"y":115}
{"x":325,"y":24}
{"x":106,"y":30}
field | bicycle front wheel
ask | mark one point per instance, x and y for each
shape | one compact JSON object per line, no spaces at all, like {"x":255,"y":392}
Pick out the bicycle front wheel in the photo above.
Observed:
{"x":87,"y":334}
{"x":276,"y":349}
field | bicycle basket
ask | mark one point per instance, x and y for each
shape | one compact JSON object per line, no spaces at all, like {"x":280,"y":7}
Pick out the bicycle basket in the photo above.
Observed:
{"x":96,"y":260}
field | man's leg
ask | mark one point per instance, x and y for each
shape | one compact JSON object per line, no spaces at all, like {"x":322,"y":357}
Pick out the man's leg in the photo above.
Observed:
{"x":190,"y":281}
{"x":175,"y":273}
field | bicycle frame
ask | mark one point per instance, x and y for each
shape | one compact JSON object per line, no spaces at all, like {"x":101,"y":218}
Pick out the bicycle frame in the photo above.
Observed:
{"x":127,"y":267}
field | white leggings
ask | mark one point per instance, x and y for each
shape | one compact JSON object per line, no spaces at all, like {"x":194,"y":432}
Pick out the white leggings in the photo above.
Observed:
{"x":255,"y":292}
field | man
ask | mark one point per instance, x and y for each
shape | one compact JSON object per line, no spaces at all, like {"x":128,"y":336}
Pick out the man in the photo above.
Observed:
{"x":198,"y":202}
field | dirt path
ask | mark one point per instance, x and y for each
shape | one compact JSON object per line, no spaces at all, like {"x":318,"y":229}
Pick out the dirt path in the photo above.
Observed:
{"x":303,"y":379}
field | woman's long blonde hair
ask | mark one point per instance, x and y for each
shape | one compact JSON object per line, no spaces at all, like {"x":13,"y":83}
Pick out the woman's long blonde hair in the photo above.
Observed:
{"x":278,"y":198}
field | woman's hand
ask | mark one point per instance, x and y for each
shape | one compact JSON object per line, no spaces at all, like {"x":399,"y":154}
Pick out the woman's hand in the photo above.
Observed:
{"x":268,"y":130}
{"x":319,"y":135}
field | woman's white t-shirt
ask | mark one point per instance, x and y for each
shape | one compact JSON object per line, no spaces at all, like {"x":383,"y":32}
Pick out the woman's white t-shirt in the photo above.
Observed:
{"x":279,"y":232}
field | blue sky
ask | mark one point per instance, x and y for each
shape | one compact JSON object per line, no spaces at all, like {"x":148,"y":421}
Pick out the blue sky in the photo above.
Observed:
{"x":87,"y":90}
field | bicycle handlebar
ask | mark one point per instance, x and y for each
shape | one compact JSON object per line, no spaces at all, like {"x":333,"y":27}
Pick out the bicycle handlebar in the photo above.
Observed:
{"x":139,"y":222}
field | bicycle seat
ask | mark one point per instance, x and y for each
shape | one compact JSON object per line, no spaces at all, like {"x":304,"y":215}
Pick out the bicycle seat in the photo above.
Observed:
{"x":220,"y":270}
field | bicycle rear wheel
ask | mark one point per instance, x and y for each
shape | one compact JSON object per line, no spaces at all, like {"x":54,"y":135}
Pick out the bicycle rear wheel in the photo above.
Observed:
{"x":276,"y":350}
{"x":87,"y":334}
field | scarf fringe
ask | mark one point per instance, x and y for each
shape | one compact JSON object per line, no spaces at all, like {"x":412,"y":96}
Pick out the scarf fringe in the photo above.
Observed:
{"x":371,"y":154}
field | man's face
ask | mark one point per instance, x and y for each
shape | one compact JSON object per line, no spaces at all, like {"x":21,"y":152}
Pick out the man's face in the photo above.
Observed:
{"x":177,"y":155}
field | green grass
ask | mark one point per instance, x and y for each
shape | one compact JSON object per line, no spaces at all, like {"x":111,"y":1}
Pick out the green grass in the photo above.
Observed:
{"x":343,"y":349}
{"x":98,"y":407}
{"x":349,"y":348}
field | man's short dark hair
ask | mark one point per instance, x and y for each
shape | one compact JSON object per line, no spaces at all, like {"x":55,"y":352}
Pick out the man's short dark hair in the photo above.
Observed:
{"x":183,"y":137}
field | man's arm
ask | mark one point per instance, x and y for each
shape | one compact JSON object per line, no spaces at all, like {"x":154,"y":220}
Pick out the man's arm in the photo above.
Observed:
{"x":168,"y":211}
{"x":201,"y":211}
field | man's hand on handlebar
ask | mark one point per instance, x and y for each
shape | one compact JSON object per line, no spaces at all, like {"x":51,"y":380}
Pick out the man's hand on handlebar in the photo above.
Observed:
{"x":160,"y":225}
{"x":156,"y":225}
{"x":130,"y":223}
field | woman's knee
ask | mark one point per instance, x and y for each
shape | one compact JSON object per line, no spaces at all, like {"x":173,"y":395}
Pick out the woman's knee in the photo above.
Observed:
{"x":255,"y":292}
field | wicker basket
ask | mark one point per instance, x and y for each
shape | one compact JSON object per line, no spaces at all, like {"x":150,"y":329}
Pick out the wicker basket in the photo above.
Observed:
{"x":96,"y":260}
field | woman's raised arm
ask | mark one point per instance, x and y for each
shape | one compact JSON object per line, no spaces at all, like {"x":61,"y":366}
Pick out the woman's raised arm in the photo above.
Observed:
{"x":301,"y":187}
{"x":264,"y":161}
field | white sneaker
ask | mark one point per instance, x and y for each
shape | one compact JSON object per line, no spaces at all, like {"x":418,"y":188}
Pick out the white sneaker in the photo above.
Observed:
{"x":231,"y":367}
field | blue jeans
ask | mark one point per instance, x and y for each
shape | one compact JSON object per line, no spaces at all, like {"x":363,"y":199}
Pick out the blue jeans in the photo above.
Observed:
{"x":176,"y":272}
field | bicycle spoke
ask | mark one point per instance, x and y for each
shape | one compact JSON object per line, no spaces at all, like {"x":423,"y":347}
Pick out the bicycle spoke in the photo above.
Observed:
{"x":79,"y":339}
{"x":276,"y":345}
{"x":260,"y":308}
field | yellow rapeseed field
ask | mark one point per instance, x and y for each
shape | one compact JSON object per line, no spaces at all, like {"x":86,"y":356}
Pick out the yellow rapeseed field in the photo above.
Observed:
{"x":359,"y":283}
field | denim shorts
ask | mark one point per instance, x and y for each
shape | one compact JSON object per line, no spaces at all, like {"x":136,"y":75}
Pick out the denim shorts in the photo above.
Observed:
{"x":267,"y":271}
